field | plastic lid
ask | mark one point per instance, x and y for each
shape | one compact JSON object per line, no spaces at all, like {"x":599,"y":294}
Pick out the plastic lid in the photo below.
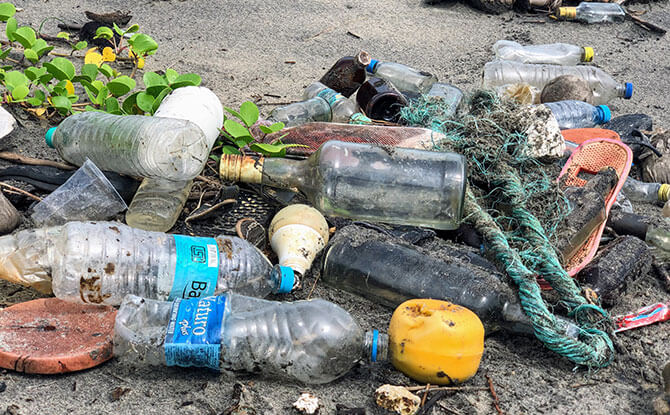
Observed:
{"x":567,"y":12}
{"x":286,"y":279}
{"x":664,"y":192}
{"x":588,"y":54}
{"x":49,"y":136}
{"x":371,"y":67}
{"x":604,"y":113}
{"x":629,"y":90}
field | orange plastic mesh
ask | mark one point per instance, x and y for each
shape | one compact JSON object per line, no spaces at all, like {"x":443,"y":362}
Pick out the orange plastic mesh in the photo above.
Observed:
{"x":580,"y":135}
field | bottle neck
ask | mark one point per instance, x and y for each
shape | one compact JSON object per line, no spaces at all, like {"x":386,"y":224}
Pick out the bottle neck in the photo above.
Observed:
{"x":621,"y":90}
{"x":375,"y":347}
{"x":285,"y":173}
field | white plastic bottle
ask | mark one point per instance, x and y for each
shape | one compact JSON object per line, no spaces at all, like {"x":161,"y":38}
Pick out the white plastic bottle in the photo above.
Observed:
{"x":554,"y":53}
{"x":578,"y":114}
{"x":501,"y":73}
{"x":593,"y":12}
{"x":314,"y":109}
{"x":162,"y":148}
{"x":343,"y":109}
{"x":158,"y":202}
{"x":401,"y":76}
{"x":101,"y":262}
{"x":311,"y":341}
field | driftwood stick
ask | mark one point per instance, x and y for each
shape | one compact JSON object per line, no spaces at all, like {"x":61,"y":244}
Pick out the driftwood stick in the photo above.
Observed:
{"x":18,"y":158}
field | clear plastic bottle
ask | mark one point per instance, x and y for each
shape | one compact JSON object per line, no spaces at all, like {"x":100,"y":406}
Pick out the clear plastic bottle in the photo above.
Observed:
{"x":578,"y":114}
{"x":401,"y":76}
{"x":101,"y":262}
{"x":605,"y":88}
{"x":448,"y":96}
{"x":592,"y":12}
{"x":367,"y":182}
{"x":342,"y":109}
{"x":638,"y":191}
{"x":311,"y":341}
{"x":136,"y":145}
{"x":348,"y":73}
{"x":314,"y":109}
{"x":554,"y":53}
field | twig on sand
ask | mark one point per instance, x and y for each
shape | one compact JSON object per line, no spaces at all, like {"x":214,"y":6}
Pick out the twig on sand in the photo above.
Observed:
{"x":447,"y":388}
{"x":496,"y":401}
{"x":23,"y":192}
{"x":18,"y":158}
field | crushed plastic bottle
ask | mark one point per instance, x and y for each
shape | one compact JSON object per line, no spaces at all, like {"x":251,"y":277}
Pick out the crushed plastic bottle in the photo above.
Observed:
{"x":578,"y":114}
{"x":311,"y":341}
{"x":593,"y":12}
{"x":367,"y":182}
{"x":347,"y":74}
{"x":638,"y":191}
{"x":605,"y":88}
{"x":342,"y":109}
{"x":554,"y":53}
{"x":401,"y":76}
{"x":298,"y":113}
{"x":161,"y":148}
{"x":101,"y":262}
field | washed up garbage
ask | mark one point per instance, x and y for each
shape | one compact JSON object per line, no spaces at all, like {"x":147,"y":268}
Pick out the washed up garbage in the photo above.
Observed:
{"x":628,"y":127}
{"x":448,"y":96}
{"x":666,"y":209}
{"x":101,"y":262}
{"x":312,"y":135}
{"x":307,"y":404}
{"x":521,"y":93}
{"x":49,"y":336}
{"x":162,"y":148}
{"x":402,"y":76}
{"x":639,"y":191}
{"x":654,"y":167}
{"x":7,"y":122}
{"x":367,"y":182}
{"x":593,"y":12}
{"x":654,"y":313}
{"x":312,"y":341}
{"x":604,"y":87}
{"x":342,"y":109}
{"x":566,"y":87}
{"x":314,"y":109}
{"x":86,"y":195}
{"x":616,"y":267}
{"x":9,"y":216}
{"x":435,"y":342}
{"x":158,"y":202}
{"x":543,"y":135}
{"x":297,"y":233}
{"x":576,"y":136}
{"x":397,"y":399}
{"x":656,"y":235}
{"x":578,"y":114}
{"x":380,"y":100}
{"x":347,"y":74}
{"x":554,"y":53}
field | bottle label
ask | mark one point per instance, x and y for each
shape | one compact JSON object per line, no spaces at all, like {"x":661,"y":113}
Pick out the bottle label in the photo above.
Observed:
{"x":330,"y":96}
{"x":193,"y":337}
{"x":197,"y":268}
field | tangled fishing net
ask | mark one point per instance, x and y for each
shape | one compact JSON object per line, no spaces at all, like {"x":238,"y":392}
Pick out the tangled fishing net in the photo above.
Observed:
{"x":513,"y":200}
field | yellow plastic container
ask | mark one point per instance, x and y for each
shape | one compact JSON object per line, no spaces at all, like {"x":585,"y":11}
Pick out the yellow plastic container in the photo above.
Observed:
{"x":436,"y":342}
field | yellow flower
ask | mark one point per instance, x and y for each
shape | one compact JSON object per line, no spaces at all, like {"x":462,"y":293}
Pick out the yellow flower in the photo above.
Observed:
{"x":140,"y":61}
{"x":69,"y":87}
{"x":108,"y":55}
{"x":92,"y":56}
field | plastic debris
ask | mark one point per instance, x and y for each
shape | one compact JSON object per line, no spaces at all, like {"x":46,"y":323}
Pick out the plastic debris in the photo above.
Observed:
{"x":307,"y":404}
{"x":655,"y":313}
{"x":566,"y":87}
{"x":7,"y":122}
{"x":397,"y":399}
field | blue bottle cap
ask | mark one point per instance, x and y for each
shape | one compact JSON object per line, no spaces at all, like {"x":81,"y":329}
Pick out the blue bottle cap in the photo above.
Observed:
{"x":286,"y":278}
{"x":604,"y":114}
{"x":49,"y":136}
{"x":629,"y":90}
{"x":371,"y":66}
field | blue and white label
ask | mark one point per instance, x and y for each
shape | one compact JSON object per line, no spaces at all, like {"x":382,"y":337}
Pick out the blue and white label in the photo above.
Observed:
{"x":330,"y":96}
{"x":193,"y":337}
{"x":197,"y":267}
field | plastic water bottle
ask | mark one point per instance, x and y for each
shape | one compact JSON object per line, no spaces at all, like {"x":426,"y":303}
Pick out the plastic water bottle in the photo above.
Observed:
{"x":315,"y":109}
{"x":158,"y":202}
{"x":588,"y":12}
{"x":162,"y":148}
{"x":312,"y":341}
{"x":401,"y":76}
{"x":639,"y":191}
{"x":605,"y":88}
{"x":554,"y":53}
{"x":342,"y":109}
{"x":101,"y":262}
{"x":578,"y":114}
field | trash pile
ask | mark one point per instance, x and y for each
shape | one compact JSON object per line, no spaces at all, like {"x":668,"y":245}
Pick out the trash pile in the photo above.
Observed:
{"x":467,"y":212}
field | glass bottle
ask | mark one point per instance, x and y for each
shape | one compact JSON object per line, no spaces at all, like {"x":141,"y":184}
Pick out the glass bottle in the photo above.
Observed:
{"x":402,"y":76}
{"x":314,"y":109}
{"x":342,"y":109}
{"x":348,"y":73}
{"x":380,"y":100}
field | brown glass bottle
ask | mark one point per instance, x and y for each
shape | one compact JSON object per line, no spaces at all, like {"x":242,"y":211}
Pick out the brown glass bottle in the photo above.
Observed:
{"x":380,"y":100}
{"x":348,"y":73}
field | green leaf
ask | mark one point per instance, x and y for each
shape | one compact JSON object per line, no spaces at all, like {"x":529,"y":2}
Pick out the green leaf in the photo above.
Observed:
{"x":80,"y":45}
{"x":233,"y":112}
{"x":25,"y":35}
{"x":278,"y":126}
{"x":10,"y":29}
{"x":5,"y":53}
{"x":103,"y":32}
{"x":117,"y":29}
{"x":35,"y":102}
{"x":160,"y":98}
{"x":236,"y":129}
{"x":101,"y":97}
{"x":129,"y":105}
{"x":60,"y":68}
{"x":90,"y":71}
{"x":243,"y":141}
{"x":132,"y":29}
{"x":171,"y":75}
{"x":34,"y":73}
{"x":7,"y":10}
{"x":41,"y":47}
{"x":106,"y":70}
{"x":20,"y":92}
{"x":90,"y":108}
{"x":112,"y":106}
{"x":154,"y":83}
{"x":273,"y":150}
{"x":31,"y":55}
{"x":15,"y":78}
{"x":230,"y":150}
{"x":63,"y":35}
{"x":121,"y":85}
{"x":39,"y":94}
{"x":142,"y":44}
{"x":62,"y":104}
{"x":187,"y":79}
{"x":145,"y":102}
{"x":44,"y":79}
{"x":249,"y":113}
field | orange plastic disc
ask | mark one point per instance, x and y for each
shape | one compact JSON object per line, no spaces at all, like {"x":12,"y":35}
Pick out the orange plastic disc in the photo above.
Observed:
{"x":49,"y":336}
{"x":579,"y":135}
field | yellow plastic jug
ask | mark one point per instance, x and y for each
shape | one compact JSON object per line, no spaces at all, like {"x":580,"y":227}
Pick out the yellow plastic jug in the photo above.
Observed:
{"x":436,"y":342}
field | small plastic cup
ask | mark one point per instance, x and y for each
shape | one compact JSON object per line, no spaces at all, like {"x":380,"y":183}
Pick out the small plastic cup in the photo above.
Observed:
{"x":86,"y":195}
